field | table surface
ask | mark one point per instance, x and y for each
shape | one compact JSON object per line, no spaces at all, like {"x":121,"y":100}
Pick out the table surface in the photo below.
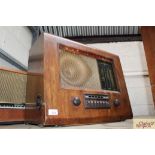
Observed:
{"x":127,"y":124}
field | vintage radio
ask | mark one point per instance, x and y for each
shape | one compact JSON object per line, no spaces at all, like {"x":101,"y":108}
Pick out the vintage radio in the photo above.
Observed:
{"x":12,"y":95}
{"x":69,"y":83}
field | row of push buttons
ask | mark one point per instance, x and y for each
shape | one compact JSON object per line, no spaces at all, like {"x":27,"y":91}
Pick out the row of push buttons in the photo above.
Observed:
{"x":13,"y":106}
{"x":97,"y":97}
{"x":97,"y":104}
{"x":94,"y":101}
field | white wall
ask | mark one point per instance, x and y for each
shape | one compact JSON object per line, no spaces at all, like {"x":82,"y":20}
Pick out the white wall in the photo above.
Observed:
{"x":134,"y":66}
{"x":16,"y":41}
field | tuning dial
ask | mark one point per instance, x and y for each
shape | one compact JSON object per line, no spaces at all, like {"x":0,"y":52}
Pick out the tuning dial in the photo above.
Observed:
{"x":76,"y":101}
{"x":116,"y":102}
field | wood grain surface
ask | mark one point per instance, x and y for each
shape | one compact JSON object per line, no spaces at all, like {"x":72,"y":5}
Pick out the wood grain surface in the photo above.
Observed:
{"x":44,"y":80}
{"x":148,"y":37}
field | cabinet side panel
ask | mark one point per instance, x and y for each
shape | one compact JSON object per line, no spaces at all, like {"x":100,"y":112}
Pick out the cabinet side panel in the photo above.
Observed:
{"x":148,"y":37}
{"x":34,"y":94}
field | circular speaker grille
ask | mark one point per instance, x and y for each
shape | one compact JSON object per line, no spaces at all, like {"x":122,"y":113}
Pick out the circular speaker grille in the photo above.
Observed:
{"x":74,"y":70}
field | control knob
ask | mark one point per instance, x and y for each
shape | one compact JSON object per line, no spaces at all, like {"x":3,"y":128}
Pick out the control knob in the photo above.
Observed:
{"x":76,"y":101}
{"x":116,"y":102}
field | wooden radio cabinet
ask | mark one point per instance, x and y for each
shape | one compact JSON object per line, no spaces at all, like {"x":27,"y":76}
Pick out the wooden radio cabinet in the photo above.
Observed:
{"x":70,"y":83}
{"x":148,"y":37}
{"x":12,"y":96}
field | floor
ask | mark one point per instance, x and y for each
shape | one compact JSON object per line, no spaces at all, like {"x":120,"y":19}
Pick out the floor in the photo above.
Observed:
{"x":127,"y":124}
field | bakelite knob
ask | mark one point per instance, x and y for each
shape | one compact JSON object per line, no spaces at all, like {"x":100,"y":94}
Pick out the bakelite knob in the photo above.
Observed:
{"x":76,"y":101}
{"x":116,"y":102}
{"x":38,"y":101}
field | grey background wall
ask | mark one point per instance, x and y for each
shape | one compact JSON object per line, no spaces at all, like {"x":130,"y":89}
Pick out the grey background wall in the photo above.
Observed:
{"x":16,"y":41}
{"x":135,"y":70}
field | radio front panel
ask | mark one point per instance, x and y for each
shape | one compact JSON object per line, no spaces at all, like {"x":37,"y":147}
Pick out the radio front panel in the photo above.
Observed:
{"x":79,"y":84}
